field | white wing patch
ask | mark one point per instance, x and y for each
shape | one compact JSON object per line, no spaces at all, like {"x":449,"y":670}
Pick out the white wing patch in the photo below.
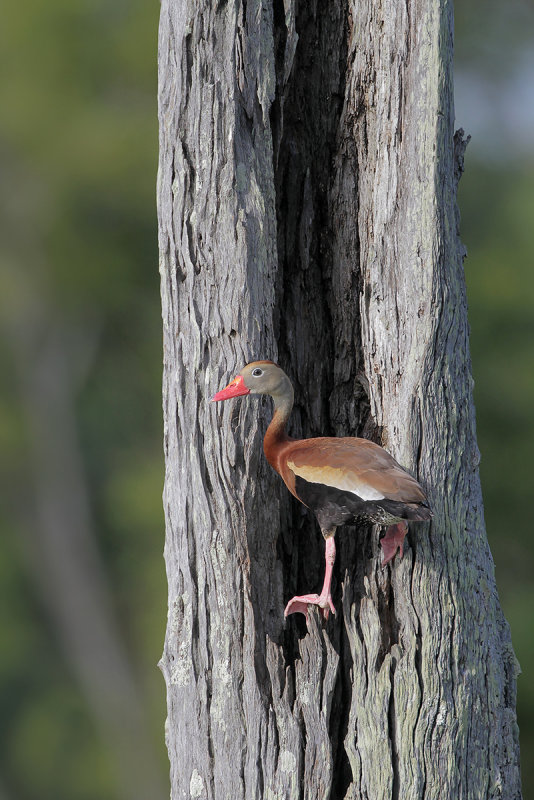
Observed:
{"x":338,"y":479}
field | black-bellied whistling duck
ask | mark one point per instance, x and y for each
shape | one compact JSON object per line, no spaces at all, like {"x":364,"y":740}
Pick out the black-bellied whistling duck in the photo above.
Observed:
{"x":340,"y":479}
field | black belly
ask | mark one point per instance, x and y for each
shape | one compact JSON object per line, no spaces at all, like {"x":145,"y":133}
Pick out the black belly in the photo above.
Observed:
{"x":334,"y":507}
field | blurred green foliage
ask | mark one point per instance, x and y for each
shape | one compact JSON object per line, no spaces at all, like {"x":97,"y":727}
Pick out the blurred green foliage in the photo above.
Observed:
{"x":78,"y":146}
{"x":497,"y":212}
{"x":496,"y":199}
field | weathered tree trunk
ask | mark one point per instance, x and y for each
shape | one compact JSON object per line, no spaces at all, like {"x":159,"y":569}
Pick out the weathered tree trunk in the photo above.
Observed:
{"x":307,"y":209}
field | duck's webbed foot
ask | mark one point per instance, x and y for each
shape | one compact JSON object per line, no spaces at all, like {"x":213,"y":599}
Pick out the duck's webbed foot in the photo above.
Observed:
{"x":392,"y":541}
{"x":300,"y":603}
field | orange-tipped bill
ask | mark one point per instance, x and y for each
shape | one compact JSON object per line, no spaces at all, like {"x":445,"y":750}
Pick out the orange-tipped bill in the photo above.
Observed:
{"x":234,"y":389}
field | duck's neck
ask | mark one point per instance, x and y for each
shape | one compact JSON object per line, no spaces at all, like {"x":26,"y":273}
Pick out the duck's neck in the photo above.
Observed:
{"x":276,"y":435}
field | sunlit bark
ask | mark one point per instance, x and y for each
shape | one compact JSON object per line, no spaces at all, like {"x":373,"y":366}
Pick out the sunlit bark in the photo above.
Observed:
{"x":307,"y":213}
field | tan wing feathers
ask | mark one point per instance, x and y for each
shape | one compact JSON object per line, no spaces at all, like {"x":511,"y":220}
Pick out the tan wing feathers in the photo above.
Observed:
{"x":355,"y":465}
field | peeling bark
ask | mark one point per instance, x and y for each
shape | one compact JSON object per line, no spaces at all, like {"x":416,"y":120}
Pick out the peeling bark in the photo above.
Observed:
{"x":307,"y":213}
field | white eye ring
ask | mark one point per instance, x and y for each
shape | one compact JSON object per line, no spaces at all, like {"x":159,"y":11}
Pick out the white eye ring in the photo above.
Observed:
{"x":257,"y":372}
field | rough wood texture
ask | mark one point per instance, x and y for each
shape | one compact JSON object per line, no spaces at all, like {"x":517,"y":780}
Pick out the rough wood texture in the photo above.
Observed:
{"x":307,"y":210}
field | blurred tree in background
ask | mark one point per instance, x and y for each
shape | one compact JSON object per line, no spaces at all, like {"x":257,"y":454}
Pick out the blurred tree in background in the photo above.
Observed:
{"x":495,"y":103}
{"x":82,"y":583}
{"x":83,"y":596}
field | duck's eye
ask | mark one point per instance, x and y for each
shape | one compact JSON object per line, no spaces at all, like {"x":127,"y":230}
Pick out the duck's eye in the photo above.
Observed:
{"x":257,"y":372}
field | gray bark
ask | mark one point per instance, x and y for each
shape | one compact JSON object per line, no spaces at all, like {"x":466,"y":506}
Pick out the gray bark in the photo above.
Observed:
{"x":307,"y":213}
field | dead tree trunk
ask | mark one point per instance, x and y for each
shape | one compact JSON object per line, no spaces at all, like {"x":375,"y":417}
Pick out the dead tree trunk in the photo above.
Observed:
{"x":307,"y":213}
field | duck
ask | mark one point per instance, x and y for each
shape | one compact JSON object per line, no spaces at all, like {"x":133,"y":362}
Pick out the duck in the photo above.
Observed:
{"x":340,"y":479}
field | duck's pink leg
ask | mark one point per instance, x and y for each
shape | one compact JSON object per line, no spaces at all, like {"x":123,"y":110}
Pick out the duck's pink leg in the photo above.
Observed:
{"x":392,"y":541}
{"x":323,"y":600}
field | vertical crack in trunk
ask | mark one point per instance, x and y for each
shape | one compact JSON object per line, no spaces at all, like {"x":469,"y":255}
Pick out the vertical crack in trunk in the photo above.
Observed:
{"x":310,"y":62}
{"x":392,"y":731}
{"x":339,"y":722}
{"x":316,"y":182}
{"x":318,"y":287}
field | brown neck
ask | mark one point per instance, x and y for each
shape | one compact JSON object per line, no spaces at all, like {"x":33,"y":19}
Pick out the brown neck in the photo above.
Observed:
{"x":276,"y":435}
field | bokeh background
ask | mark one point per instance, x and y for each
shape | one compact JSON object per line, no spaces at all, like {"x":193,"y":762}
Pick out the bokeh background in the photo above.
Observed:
{"x":82,"y":581}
